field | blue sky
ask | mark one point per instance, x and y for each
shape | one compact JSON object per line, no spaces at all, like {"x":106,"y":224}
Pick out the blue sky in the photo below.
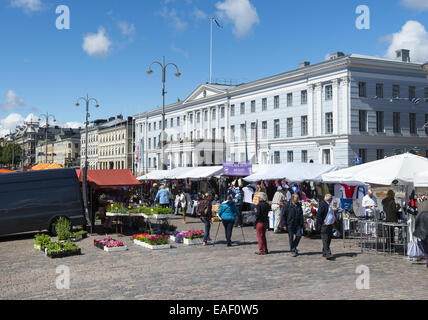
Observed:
{"x":46,"y":69}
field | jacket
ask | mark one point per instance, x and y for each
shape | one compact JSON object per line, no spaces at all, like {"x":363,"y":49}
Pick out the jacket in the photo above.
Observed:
{"x":421,"y":226}
{"x":391,"y":209}
{"x":162,"y":196}
{"x":153,"y":193}
{"x":262,"y":212}
{"x":293,"y":215}
{"x":228,"y":211}
{"x":321,"y":214}
{"x":205,"y":209}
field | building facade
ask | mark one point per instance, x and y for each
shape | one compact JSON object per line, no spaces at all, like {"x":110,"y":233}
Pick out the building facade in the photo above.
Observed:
{"x":109,"y":144}
{"x":64,"y":151}
{"x":333,"y":112}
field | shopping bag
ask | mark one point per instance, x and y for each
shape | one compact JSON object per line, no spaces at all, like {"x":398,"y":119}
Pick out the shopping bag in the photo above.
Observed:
{"x":415,"y":249}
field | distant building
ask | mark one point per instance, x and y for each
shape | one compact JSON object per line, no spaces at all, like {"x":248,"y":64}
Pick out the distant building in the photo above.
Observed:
{"x":347,"y":108}
{"x":110,"y":144}
{"x":63,"y":150}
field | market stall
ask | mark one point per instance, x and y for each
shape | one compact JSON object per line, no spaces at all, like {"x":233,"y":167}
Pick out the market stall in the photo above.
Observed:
{"x":395,"y":173}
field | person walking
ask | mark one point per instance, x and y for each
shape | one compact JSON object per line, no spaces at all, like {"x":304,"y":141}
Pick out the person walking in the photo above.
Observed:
{"x":421,"y":232}
{"x":239,"y":202}
{"x":391,"y":209}
{"x":162,"y":197}
{"x":205,"y":213}
{"x":228,"y":214}
{"x":293,"y":216}
{"x":279,"y":200}
{"x":326,"y":220}
{"x":256,"y":200}
{"x":183,"y":205}
{"x":261,"y":211}
{"x":153,"y":192}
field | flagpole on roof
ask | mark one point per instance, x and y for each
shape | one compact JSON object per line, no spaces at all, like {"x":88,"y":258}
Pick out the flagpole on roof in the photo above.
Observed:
{"x":211,"y":50}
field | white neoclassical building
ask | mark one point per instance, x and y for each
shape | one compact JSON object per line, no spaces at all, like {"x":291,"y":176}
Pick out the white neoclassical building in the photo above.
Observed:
{"x":332,"y":112}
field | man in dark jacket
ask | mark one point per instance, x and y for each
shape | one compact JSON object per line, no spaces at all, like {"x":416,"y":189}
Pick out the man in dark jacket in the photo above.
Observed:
{"x":326,"y":219}
{"x":153,"y":193}
{"x":261,"y":211}
{"x":293,"y":215}
{"x":421,"y":231}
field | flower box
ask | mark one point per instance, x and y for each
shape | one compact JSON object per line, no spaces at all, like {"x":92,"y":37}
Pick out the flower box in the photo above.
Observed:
{"x":189,"y":242}
{"x":62,"y":254}
{"x":104,"y":245}
{"x":151,"y":247}
{"x":115,"y":249}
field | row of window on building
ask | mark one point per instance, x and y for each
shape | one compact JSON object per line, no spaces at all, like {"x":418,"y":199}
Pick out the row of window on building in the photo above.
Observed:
{"x":396,"y":122}
{"x":396,"y":91}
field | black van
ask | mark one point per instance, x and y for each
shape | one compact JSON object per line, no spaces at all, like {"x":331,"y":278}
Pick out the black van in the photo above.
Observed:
{"x":32,"y":201}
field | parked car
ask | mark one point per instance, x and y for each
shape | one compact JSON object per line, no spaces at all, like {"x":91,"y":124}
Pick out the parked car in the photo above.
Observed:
{"x":33,"y":201}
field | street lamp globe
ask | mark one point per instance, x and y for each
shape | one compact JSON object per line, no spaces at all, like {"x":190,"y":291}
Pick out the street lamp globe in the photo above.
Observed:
{"x":149,"y":71}
{"x":77,"y":104}
{"x":178,"y":74}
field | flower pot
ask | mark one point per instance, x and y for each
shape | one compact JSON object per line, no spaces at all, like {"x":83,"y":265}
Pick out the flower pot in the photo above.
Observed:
{"x":151,"y":247}
{"x":115,"y":249}
{"x":189,"y":242}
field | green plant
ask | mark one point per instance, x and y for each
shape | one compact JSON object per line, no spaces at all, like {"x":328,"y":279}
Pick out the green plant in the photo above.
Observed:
{"x":62,"y":227}
{"x":42,"y":240}
{"x":78,"y":234}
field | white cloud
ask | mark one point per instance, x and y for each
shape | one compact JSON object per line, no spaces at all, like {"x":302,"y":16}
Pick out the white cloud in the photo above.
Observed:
{"x":73,"y":125}
{"x":97,"y":45}
{"x":241,"y":12}
{"x":27,"y":5}
{"x":416,"y":4}
{"x":172,"y":18}
{"x":199,"y":14}
{"x":9,"y":123}
{"x":13,"y":101}
{"x":126,"y":28}
{"x":412,"y":36}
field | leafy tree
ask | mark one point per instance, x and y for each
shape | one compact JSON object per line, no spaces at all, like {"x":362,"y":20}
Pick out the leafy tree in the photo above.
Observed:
{"x":6,"y":155}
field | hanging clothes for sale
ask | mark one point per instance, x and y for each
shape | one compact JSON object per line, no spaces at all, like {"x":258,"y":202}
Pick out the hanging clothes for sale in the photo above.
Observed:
{"x":249,"y":193}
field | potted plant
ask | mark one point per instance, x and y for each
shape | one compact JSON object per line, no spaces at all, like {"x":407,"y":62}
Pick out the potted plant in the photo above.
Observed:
{"x":113,"y":246}
{"x":193,"y":237}
{"x":152,"y":242}
{"x":79,"y":235}
{"x":62,"y":249}
{"x":63,"y":227}
{"x":41,"y":241}
{"x":177,"y":237}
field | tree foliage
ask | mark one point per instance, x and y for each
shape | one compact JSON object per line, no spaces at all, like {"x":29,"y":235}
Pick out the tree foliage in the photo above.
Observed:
{"x":8,"y":151}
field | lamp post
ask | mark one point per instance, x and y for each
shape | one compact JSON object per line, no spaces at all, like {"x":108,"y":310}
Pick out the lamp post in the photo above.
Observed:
{"x":177,"y":74}
{"x":87,"y":100}
{"x":47,"y":116}
{"x":12,"y":139}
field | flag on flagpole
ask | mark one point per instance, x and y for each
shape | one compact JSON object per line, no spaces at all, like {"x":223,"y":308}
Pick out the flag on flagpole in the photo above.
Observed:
{"x":216,"y":22}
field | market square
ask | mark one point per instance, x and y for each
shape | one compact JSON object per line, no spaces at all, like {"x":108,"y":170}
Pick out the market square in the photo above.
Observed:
{"x":214,"y":150}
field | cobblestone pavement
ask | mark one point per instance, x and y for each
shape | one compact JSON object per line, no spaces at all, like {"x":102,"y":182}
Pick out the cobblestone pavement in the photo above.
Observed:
{"x":212,"y":272}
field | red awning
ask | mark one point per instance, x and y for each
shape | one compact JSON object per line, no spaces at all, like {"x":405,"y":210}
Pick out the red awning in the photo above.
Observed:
{"x":111,"y":178}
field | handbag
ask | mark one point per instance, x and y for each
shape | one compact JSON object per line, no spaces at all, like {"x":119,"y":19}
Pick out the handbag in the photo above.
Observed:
{"x":415,"y":249}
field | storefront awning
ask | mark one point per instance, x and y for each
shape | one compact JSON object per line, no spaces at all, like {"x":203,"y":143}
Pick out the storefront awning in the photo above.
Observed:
{"x":292,"y":172}
{"x":111,"y":178}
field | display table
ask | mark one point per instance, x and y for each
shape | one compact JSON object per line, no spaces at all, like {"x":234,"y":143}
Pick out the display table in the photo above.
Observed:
{"x":119,"y":217}
{"x":396,"y":235}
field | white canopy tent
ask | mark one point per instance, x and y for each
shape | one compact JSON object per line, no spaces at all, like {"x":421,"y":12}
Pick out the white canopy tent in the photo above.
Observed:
{"x":421,"y":179}
{"x":292,"y":172}
{"x":401,"y":168}
{"x":154,"y":175}
{"x":201,"y":173}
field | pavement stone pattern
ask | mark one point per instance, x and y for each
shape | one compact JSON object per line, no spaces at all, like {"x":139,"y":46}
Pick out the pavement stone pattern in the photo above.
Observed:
{"x":208,"y":273}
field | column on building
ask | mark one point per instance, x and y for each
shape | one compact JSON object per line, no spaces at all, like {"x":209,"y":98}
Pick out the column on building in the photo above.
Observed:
{"x":210,"y":115}
{"x":336,"y":89}
{"x":345,"y":105}
{"x":311,"y":107}
{"x":318,"y":97}
{"x":227,"y":121}
{"x":201,"y":124}
{"x":217,"y":126}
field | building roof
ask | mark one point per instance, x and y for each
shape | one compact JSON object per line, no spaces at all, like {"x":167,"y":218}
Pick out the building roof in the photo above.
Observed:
{"x":301,"y":72}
